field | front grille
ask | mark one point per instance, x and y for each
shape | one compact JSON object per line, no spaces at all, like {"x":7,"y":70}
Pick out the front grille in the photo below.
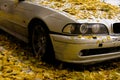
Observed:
{"x":116,"y":28}
{"x":91,"y":52}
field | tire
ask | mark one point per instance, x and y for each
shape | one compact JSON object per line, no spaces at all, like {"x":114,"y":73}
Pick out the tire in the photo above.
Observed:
{"x":1,"y":31}
{"x":41,"y":44}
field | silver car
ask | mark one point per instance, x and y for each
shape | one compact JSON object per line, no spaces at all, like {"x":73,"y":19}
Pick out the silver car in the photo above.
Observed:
{"x":53,"y":34}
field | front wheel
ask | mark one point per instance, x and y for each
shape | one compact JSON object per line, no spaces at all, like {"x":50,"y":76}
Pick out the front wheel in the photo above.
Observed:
{"x":41,"y":43}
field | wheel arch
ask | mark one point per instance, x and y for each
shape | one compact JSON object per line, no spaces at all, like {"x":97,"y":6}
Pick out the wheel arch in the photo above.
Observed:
{"x":30,"y":28}
{"x":34,"y":21}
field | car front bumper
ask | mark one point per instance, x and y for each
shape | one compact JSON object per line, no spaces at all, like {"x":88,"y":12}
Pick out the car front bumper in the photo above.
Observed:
{"x":85,"y":49}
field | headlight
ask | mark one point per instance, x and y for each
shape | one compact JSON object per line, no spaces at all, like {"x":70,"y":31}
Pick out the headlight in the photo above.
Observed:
{"x":85,"y":29}
{"x":96,"y":28}
{"x":70,"y":28}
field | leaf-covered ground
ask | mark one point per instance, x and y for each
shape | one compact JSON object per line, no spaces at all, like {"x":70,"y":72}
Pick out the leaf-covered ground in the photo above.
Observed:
{"x":17,"y":64}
